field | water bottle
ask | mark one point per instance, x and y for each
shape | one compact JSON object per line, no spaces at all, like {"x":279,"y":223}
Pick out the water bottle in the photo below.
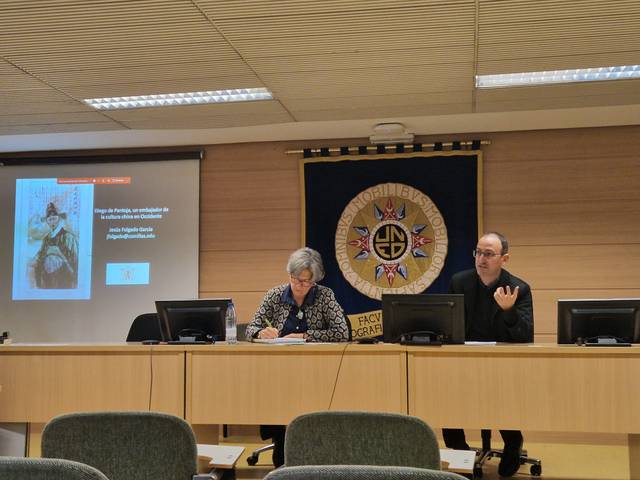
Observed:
{"x":231,"y":322}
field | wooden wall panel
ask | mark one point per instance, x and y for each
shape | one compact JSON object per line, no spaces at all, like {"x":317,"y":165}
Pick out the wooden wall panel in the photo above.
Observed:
{"x":246,"y":230}
{"x":566,"y":223}
{"x":577,"y":267}
{"x":254,"y":270}
{"x":246,"y":302}
{"x":533,"y":146}
{"x":269,"y":156}
{"x":249,"y":190}
{"x":249,"y":220}
{"x":545,"y":303}
{"x":562,"y":181}
{"x":568,"y":200}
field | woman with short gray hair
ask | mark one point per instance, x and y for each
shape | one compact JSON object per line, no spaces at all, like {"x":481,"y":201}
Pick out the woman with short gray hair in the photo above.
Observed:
{"x":306,"y":259}
{"x":300,"y":308}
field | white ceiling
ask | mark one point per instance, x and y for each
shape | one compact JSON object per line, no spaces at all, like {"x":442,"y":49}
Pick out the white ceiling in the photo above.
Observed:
{"x":329,"y":61}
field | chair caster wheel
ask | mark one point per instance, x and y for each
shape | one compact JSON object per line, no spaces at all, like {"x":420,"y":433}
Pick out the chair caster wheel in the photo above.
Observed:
{"x":536,"y":470}
{"x":253,"y":459}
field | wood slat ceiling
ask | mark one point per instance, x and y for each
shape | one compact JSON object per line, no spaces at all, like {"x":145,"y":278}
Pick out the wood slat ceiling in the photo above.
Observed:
{"x":329,"y":60}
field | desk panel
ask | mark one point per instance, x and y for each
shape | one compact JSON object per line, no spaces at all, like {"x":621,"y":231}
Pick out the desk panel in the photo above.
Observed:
{"x":38,"y":383}
{"x":534,"y":387}
{"x":272,"y":384}
{"x":545,"y":388}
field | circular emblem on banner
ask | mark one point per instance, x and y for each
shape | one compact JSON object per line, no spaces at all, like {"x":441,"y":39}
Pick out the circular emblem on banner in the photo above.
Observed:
{"x":391,"y":238}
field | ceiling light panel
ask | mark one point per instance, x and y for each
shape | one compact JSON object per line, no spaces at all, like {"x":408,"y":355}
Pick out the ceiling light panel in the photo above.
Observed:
{"x":522,"y":79}
{"x":176,"y":99}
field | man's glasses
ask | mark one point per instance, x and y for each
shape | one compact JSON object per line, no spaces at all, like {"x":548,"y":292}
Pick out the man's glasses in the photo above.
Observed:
{"x":486,"y":254}
{"x":304,"y":283}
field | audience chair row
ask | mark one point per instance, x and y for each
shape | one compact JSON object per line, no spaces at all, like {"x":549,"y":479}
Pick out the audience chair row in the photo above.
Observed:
{"x":156,"y":446}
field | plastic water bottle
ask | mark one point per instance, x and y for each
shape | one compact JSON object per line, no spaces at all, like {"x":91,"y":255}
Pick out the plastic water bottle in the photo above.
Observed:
{"x":231,"y":322}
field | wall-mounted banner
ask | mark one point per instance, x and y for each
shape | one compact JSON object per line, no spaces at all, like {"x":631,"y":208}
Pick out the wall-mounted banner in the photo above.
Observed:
{"x":391,"y":224}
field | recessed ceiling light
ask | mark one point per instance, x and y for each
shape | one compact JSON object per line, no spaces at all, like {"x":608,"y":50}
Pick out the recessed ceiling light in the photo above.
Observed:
{"x":598,"y":74}
{"x":174,"y":99}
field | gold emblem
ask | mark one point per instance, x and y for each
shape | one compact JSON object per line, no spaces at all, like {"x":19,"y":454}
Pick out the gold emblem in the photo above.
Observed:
{"x":391,"y":238}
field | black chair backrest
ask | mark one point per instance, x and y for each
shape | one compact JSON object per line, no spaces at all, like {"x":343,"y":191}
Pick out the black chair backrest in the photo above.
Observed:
{"x":145,"y":327}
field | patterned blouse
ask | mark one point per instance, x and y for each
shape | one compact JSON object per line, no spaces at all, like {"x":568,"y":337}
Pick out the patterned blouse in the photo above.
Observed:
{"x":325,"y":319}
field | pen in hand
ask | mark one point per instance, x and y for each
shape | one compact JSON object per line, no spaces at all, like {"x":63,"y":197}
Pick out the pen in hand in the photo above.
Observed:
{"x":269,"y":331}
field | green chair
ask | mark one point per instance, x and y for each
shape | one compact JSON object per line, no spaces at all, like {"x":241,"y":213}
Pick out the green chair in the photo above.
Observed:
{"x":360,"y":438}
{"x":358,"y":472}
{"x":14,"y":468}
{"x":124,"y":445}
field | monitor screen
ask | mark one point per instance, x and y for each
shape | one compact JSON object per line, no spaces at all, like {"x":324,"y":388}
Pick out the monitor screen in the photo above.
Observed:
{"x":586,"y":320}
{"x":200,"y":318}
{"x":409,"y":316}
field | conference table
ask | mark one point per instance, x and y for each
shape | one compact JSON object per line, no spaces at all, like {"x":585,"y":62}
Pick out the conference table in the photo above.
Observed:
{"x":533,"y":387}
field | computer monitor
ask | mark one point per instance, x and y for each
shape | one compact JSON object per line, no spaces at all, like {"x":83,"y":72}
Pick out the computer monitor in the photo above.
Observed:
{"x":599,"y":321}
{"x":408,"y":318}
{"x":199,"y":319}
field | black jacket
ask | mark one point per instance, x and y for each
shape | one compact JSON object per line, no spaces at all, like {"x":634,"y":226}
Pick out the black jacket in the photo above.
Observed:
{"x":514,"y":325}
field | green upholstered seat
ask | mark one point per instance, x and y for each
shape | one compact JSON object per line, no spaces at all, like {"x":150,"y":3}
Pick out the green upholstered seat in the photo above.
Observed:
{"x":358,"y":472}
{"x":124,"y":445}
{"x":361,"y":438}
{"x":15,"y":468}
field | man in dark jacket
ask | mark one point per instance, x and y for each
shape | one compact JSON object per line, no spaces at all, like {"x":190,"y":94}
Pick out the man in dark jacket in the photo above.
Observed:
{"x":56,"y":263}
{"x":497,"y":307}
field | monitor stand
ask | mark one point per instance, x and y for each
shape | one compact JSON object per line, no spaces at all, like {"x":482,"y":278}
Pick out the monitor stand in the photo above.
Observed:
{"x":187,"y":340}
{"x":606,"y":342}
{"x":421,"y":338}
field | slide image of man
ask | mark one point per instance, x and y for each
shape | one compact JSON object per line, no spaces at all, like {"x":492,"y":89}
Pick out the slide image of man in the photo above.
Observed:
{"x":53,"y":235}
{"x":56,"y":263}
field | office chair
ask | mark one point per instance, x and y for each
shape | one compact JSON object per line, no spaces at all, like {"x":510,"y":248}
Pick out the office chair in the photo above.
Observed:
{"x":255,"y":455}
{"x":486,"y":453}
{"x":360,"y":438}
{"x":145,"y":327}
{"x":124,"y":445}
{"x":15,"y":468}
{"x":357,"y":472}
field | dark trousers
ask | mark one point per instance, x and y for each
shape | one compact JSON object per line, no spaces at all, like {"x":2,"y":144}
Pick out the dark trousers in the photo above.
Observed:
{"x":275,"y":432}
{"x":454,"y":438}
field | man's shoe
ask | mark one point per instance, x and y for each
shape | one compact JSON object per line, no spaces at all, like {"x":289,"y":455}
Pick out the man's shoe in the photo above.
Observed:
{"x":510,"y":461}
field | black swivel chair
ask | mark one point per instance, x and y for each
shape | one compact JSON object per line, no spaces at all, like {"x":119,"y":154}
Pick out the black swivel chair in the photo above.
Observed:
{"x":486,"y":453}
{"x":145,"y":327}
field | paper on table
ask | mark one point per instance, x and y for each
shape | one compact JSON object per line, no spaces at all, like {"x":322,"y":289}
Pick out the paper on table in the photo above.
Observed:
{"x":479,"y":343}
{"x":460,"y":461}
{"x":220,"y":456}
{"x":279,"y":340}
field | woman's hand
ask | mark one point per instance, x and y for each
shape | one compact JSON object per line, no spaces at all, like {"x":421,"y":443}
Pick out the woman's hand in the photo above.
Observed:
{"x":295,"y":335}
{"x":268,"y":332}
